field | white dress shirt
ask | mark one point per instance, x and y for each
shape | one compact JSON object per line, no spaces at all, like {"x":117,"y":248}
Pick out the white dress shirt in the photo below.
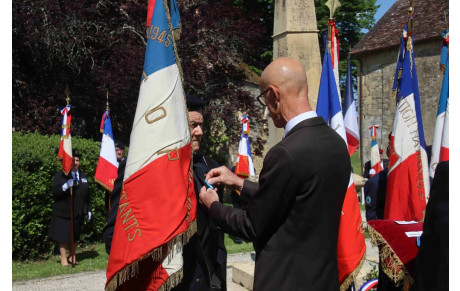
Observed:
{"x":296,"y":120}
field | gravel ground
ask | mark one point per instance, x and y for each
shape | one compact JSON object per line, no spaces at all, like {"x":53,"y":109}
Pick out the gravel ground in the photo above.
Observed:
{"x":95,"y":280}
{"x":92,"y":281}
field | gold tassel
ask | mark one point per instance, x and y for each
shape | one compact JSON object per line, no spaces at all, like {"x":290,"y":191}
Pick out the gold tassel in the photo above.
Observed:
{"x":352,"y":277}
{"x":177,"y":33}
{"x":172,"y":280}
{"x":391,"y":264}
{"x":156,"y":254}
{"x":410,"y":49}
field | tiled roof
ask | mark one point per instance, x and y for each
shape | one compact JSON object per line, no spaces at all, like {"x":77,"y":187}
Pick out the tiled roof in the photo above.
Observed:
{"x":429,"y":22}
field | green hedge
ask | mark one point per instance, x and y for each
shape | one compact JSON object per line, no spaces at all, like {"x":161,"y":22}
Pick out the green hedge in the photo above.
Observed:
{"x":34,"y":160}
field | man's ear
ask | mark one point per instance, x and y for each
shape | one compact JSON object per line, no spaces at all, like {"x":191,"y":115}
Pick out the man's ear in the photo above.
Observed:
{"x":274,"y":97}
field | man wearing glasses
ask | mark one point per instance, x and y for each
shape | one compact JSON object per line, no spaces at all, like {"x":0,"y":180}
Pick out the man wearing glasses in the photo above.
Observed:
{"x":294,"y":211}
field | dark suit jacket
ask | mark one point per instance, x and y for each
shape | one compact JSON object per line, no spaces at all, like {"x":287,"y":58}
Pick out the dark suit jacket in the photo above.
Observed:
{"x":375,"y":190}
{"x":432,"y":263}
{"x":367,"y":168}
{"x":82,"y":198}
{"x":205,"y":256}
{"x":293,"y":214}
{"x":107,"y":232}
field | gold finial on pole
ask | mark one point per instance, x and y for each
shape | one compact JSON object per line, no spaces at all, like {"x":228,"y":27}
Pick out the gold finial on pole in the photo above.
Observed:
{"x":67,"y":91}
{"x":410,"y":22}
{"x":107,"y":101}
{"x":333,"y":5}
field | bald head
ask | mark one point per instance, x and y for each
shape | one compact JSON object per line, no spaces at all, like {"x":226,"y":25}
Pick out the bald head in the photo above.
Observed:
{"x":287,"y":73}
{"x":287,"y":81}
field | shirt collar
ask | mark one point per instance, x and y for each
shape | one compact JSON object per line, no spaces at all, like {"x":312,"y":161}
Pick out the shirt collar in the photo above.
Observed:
{"x":296,"y":120}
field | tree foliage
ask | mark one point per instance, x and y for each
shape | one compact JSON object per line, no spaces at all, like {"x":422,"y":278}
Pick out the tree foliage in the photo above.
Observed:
{"x":352,"y":18}
{"x":91,"y":46}
{"x":217,"y":38}
{"x":98,"y":46}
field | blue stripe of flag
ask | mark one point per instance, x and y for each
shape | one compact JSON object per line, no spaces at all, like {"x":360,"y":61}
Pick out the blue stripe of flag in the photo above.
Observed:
{"x":400,"y":61}
{"x":108,"y":126}
{"x":159,"y":53}
{"x":409,"y":85}
{"x":328,"y":99}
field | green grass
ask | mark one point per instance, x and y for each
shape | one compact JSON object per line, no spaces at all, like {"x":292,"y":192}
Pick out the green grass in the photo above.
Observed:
{"x":366,"y":233}
{"x":91,"y":258}
{"x":233,"y":248}
{"x":356,"y":162}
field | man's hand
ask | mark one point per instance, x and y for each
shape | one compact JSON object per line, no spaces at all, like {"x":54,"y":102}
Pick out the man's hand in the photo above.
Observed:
{"x":208,"y":196}
{"x":223,"y":175}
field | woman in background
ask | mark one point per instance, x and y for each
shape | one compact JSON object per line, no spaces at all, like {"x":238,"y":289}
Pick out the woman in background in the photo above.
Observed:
{"x":59,"y":230}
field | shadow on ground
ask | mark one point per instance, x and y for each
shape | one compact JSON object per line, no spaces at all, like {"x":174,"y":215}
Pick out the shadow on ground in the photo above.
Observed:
{"x":86,"y":254}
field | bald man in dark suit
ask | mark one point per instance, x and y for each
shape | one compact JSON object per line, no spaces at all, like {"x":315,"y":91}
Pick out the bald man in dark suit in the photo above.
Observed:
{"x":293,"y":213}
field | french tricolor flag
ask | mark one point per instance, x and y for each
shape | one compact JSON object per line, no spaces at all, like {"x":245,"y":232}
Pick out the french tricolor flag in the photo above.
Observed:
{"x":369,"y":285}
{"x":408,"y":183}
{"x":440,"y":147}
{"x":351,"y":247}
{"x":156,"y":215}
{"x":65,"y":145}
{"x":244,"y":165}
{"x":335,"y":51}
{"x":107,"y":166}
{"x":376,"y":163}
{"x":350,"y":118}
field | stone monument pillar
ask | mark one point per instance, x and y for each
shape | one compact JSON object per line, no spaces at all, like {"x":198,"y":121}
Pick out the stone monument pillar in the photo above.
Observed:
{"x":295,"y":34}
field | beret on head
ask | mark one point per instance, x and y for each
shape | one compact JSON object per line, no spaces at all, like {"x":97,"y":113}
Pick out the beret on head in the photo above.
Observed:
{"x":194,"y":103}
{"x":120,"y":145}
{"x":76,"y":153}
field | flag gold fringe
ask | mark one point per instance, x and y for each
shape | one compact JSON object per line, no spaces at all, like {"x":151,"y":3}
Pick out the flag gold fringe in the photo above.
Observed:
{"x":391,"y":264}
{"x":157,"y":255}
{"x":172,"y":281}
{"x":352,"y":277}
{"x":410,"y":48}
{"x":102,"y":184}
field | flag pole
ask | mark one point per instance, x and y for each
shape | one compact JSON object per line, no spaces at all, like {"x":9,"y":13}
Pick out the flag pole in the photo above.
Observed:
{"x":71,"y":200}
{"x":410,"y":22}
{"x":333,"y":5}
{"x":107,"y":109}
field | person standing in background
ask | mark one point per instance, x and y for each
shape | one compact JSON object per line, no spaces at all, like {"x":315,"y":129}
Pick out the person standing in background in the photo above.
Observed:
{"x":60,"y":226}
{"x":120,"y":151}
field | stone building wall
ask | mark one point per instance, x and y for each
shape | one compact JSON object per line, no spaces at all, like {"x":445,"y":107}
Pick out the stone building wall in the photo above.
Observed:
{"x":378,"y":105}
